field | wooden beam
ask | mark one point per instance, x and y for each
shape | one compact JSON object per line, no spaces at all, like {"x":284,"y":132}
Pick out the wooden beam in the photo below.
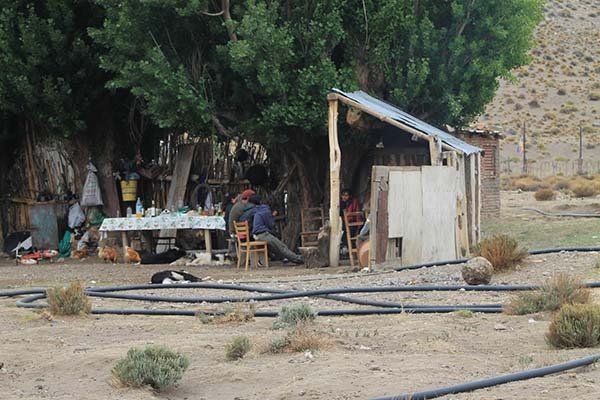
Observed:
{"x":434,"y":151}
{"x":181,"y":174}
{"x":335,"y":161}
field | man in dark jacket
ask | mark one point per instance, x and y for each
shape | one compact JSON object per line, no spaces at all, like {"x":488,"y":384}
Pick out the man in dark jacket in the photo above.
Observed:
{"x":261,"y":230}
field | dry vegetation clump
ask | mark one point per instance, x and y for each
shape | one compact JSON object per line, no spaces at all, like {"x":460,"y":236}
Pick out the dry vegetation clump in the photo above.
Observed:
{"x":237,"y":348}
{"x":236,"y":314}
{"x":302,"y":337}
{"x":527,"y":183}
{"x":544,"y":194}
{"x":575,"y":325}
{"x":584,"y":189}
{"x":71,"y":300}
{"x":502,"y":251}
{"x":556,"y":182}
{"x":551,"y":296}
{"x":155,"y":366}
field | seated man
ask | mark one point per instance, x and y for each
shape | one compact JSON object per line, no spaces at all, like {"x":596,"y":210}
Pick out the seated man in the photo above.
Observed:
{"x":238,"y":209}
{"x":261,"y":230}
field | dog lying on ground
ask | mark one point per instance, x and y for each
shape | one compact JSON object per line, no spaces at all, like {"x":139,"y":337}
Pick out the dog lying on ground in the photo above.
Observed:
{"x":166,"y":257}
{"x":171,"y":276}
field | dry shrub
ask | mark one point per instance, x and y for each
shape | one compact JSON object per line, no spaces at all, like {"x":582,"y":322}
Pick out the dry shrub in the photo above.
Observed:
{"x":301,"y":338}
{"x":502,"y":251}
{"x":238,"y":348}
{"x":584,"y":190}
{"x":544,"y":194}
{"x":556,"y":182}
{"x":156,"y":366}
{"x":236,"y":314}
{"x":71,"y":300}
{"x":239,"y":313}
{"x":575,"y":325}
{"x":551,"y":296}
{"x":526,"y":183}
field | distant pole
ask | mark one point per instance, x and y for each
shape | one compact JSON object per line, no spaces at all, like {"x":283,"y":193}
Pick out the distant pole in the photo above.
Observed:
{"x":524,"y":170}
{"x":580,"y":161}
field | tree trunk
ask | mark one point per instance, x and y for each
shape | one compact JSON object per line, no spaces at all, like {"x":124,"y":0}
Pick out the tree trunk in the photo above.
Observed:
{"x":102,"y":129}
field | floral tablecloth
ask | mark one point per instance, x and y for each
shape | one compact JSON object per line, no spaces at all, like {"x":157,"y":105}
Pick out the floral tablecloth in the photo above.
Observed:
{"x":163,"y":222}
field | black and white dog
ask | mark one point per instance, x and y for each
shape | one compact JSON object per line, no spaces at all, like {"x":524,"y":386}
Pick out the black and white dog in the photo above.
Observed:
{"x":171,"y":276}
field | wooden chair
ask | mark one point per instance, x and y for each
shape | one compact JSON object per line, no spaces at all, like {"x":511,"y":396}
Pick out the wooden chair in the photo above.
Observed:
{"x":245,"y":244}
{"x":312,"y":220}
{"x":353,"y":221}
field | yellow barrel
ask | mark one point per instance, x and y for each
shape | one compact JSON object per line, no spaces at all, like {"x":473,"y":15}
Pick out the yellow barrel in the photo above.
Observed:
{"x":129,"y":190}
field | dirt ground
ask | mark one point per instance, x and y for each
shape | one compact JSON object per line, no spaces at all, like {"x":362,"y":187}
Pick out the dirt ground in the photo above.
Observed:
{"x":71,"y":358}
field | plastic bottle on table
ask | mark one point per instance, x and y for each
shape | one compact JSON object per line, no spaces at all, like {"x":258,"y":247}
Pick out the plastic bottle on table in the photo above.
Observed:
{"x":139,"y":208}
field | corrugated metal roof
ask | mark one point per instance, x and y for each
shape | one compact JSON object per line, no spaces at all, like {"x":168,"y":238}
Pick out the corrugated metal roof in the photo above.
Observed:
{"x":404,"y":118}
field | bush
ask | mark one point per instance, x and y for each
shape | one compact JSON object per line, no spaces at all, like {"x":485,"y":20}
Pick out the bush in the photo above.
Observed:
{"x":502,"y":251}
{"x":300,"y":338}
{"x":544,"y":194}
{"x":238,"y":348}
{"x":291,"y":316}
{"x":551,"y":296}
{"x":575,"y":325}
{"x":68,"y":301}
{"x":278,"y":345}
{"x":156,"y":366}
{"x":583,"y":190}
{"x":526,"y":183}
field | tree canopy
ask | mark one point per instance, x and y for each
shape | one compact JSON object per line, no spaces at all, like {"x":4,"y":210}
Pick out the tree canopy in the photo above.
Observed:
{"x":49,"y":65}
{"x":262,"y":68}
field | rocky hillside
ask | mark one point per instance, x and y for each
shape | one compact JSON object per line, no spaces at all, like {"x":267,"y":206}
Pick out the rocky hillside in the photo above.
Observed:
{"x":556,"y":95}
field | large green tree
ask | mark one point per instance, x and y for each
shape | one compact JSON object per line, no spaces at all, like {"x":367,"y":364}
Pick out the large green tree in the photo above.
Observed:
{"x":261,"y":69}
{"x":50,"y":73}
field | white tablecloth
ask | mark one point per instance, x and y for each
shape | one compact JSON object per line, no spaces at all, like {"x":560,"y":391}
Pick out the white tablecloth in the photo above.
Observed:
{"x":162,"y":222}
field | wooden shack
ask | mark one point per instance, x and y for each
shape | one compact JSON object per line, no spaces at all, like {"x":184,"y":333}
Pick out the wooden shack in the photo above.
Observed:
{"x":426,"y":205}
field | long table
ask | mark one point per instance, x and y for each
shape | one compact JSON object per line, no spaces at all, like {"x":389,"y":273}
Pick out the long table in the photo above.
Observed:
{"x":124,"y":225}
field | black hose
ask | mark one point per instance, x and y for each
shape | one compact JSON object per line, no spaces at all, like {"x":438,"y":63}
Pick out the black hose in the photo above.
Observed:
{"x":497,"y":380}
{"x":576,"y":215}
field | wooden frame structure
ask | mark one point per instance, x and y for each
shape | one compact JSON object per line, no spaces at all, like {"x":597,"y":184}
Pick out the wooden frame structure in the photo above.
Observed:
{"x":444,"y":149}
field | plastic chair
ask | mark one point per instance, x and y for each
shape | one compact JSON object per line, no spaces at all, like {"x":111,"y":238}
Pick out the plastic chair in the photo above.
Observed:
{"x":243,"y":234}
{"x":353,"y":221}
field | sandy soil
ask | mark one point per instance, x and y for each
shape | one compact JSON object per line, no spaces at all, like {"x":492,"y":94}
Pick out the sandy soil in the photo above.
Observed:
{"x":71,"y":358}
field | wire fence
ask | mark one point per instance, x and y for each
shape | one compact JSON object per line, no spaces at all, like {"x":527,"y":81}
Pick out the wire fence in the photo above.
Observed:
{"x":542,"y":169}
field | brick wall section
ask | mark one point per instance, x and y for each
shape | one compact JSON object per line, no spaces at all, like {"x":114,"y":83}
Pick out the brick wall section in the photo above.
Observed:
{"x":490,"y":168}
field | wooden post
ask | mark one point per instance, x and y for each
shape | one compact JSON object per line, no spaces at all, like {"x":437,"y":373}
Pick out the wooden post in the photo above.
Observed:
{"x":335,"y":160}
{"x":434,"y":151}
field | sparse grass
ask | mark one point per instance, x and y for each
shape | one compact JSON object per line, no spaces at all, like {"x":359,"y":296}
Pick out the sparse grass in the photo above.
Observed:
{"x":71,"y":300}
{"x":232,"y":314}
{"x":552,"y":295}
{"x":300,"y":338}
{"x":568,"y":108}
{"x":237,"y":348}
{"x":544,"y":194}
{"x":594,"y":96}
{"x":303,"y":338}
{"x":292,"y":316}
{"x":155,"y":366}
{"x":502,"y":251}
{"x":464,"y":313}
{"x":575,"y":325}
